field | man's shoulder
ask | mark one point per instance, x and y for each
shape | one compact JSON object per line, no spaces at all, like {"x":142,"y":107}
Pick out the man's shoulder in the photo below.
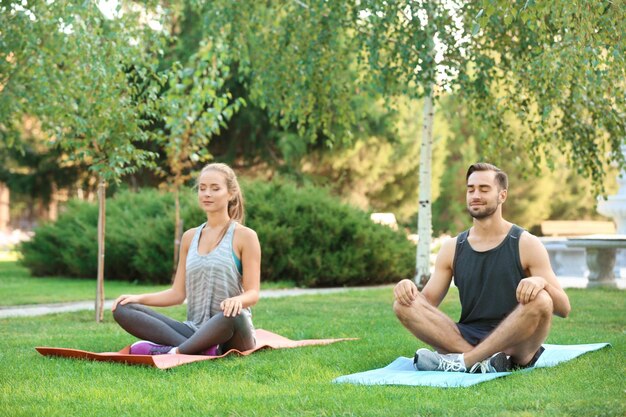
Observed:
{"x":459,"y":238}
{"x":448,"y":247}
{"x":528,"y":241}
{"x":450,"y":241}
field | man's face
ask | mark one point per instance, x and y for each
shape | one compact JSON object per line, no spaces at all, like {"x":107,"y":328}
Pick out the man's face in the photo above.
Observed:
{"x":483,"y":195}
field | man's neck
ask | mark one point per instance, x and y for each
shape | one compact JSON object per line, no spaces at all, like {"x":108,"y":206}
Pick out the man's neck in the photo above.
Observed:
{"x":491,"y":226}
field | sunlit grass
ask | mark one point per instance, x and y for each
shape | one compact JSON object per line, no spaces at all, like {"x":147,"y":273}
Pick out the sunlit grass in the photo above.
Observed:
{"x":299,"y":381}
{"x":17,"y":287}
{"x":8,"y":256}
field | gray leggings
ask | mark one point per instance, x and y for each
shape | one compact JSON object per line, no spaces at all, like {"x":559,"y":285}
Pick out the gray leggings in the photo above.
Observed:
{"x":145,"y":323}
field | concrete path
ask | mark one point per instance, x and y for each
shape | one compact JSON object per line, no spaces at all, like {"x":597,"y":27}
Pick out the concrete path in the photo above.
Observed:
{"x":43,"y":309}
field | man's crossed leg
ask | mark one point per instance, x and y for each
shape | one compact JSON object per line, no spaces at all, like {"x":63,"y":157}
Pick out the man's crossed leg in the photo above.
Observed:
{"x":519,"y":336}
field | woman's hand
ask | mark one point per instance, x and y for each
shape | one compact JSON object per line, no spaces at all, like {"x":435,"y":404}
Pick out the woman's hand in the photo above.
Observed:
{"x":125,"y":299}
{"x":231,"y":307}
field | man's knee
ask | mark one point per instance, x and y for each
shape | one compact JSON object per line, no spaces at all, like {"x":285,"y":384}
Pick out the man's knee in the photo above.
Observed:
{"x":408,"y":313}
{"x":542,"y":304}
{"x":399,"y":309}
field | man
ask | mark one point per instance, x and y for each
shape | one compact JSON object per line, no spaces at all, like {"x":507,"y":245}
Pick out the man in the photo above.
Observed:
{"x":507,"y":289}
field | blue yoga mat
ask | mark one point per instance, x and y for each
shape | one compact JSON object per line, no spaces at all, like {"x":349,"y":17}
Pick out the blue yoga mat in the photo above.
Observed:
{"x":401,"y":371}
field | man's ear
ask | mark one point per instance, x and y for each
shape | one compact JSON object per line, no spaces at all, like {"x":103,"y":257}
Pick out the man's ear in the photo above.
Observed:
{"x":502,"y":195}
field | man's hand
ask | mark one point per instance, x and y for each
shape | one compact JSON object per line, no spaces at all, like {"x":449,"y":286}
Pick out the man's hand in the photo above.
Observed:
{"x":405,"y":292}
{"x":528,"y":288}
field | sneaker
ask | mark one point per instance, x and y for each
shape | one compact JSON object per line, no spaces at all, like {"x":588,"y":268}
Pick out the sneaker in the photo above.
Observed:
{"x":498,"y":362}
{"x":143,"y":347}
{"x":212,"y":351}
{"x":533,"y":361}
{"x":427,"y":360}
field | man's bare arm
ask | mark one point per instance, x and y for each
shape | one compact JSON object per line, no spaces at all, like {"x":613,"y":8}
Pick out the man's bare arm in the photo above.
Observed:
{"x":439,"y":283}
{"x":535,"y":259}
{"x":405,"y":291}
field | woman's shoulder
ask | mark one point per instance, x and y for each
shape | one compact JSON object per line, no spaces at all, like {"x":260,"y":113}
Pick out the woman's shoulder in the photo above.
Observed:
{"x":245,"y":234}
{"x":245,"y":231}
{"x":189,"y":233}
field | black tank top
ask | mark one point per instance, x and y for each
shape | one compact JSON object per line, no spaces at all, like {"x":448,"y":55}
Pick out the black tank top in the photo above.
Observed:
{"x":487,"y":280}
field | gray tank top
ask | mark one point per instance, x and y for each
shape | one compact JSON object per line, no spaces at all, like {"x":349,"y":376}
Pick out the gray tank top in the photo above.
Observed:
{"x":211,"y":278}
{"x":487,"y":280}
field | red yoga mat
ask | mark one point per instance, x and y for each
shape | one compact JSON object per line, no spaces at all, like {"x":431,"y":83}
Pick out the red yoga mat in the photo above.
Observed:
{"x":264,"y":340}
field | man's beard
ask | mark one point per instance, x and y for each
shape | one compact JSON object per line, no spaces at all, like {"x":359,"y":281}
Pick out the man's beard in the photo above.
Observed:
{"x":487,"y":212}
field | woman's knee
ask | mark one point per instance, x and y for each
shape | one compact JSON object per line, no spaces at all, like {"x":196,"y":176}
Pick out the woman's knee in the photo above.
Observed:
{"x":122,"y":311}
{"x":232,"y":323}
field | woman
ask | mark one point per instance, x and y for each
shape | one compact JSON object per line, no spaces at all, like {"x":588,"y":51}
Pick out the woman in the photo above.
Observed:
{"x":218,"y":273}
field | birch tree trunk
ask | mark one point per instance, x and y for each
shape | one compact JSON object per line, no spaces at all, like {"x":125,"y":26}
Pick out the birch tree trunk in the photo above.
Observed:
{"x":101,"y":227}
{"x":424,"y":218}
{"x":4,"y":207}
{"x":178,"y":226}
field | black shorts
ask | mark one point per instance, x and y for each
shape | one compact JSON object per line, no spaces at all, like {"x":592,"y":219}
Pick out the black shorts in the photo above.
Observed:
{"x":474,"y":334}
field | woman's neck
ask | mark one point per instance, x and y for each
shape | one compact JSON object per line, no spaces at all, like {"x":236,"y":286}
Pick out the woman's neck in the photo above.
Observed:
{"x":217,"y":220}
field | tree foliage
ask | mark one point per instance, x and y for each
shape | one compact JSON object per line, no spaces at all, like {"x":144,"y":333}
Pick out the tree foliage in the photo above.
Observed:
{"x":535,"y":195}
{"x":542,"y":83}
{"x":555,"y":68}
{"x":193,"y":107}
{"x":80,"y":74}
{"x":288,"y":54}
{"x":558,"y":70}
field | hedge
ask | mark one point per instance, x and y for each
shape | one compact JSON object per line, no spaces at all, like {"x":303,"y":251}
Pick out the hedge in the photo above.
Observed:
{"x":307,"y":236}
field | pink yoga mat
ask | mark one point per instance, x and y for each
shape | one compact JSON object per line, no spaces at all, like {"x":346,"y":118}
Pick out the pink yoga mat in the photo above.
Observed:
{"x":264,"y":340}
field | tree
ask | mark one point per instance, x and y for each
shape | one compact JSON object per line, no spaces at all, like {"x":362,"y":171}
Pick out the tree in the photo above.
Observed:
{"x":300,"y":55}
{"x":35,"y":172}
{"x":406,"y":45}
{"x":301,"y":65}
{"x":535,"y":195}
{"x":194,"y":108}
{"x":83,"y":77}
{"x":556,"y":69}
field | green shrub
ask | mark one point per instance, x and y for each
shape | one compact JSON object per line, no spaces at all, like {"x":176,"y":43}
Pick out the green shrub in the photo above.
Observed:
{"x":138,"y":240}
{"x":312,"y":239}
{"x":67,"y":247}
{"x":306,"y":236}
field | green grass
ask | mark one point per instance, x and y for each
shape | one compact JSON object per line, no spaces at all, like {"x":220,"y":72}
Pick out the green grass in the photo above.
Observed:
{"x":298,"y":381}
{"x":17,"y":287}
{"x":8,"y":256}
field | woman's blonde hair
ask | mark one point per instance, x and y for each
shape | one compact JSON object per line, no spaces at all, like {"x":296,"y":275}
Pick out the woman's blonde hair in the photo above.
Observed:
{"x":235,"y":205}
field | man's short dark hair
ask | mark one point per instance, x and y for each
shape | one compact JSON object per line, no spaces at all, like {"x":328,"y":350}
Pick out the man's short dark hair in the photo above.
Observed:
{"x":501,"y":178}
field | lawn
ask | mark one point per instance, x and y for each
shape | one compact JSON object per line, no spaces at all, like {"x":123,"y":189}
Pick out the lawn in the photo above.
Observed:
{"x":298,"y":381}
{"x":17,"y":287}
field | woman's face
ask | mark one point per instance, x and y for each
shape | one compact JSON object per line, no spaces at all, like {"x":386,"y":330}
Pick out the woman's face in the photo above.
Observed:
{"x":213,"y":194}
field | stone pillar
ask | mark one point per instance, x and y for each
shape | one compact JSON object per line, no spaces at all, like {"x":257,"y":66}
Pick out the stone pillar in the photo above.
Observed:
{"x":4,"y":207}
{"x":615,"y":207}
{"x":601,"y":262}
